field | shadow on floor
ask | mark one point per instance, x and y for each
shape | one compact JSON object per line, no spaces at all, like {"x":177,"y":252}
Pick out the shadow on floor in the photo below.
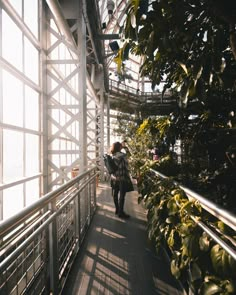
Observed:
{"x":116,"y":257}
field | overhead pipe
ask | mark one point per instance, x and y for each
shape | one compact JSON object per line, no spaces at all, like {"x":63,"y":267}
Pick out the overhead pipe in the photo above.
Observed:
{"x":63,"y":27}
{"x":89,"y":29}
{"x":93,"y":45}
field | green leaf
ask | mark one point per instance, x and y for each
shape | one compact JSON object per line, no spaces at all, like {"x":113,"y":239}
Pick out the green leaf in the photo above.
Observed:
{"x":192,"y":89}
{"x":184,"y":229}
{"x":149,"y":50}
{"x":171,"y":240}
{"x":126,"y":51}
{"x":191,"y":245}
{"x":171,"y":220}
{"x":133,"y":20}
{"x":183,"y":66}
{"x":222,"y":263}
{"x":232,"y":266}
{"x":172,"y":206}
{"x":209,"y":288}
{"x":204,"y":242}
{"x":231,"y":287}
{"x":195,"y":271}
{"x":175,"y":269}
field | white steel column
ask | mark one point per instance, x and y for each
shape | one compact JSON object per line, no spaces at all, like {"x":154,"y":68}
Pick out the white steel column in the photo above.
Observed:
{"x":43,"y":106}
{"x":73,"y":102}
{"x":62,"y":99}
{"x":1,"y":119}
{"x":102,"y":129}
{"x":81,"y":31}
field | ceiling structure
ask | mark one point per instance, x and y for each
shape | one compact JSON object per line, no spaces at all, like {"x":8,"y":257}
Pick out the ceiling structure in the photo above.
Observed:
{"x":104,"y":21}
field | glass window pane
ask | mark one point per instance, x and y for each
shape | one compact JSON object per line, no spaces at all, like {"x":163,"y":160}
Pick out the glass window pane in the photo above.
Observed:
{"x":31,"y":15}
{"x":11,"y":42}
{"x":12,"y":201}
{"x":31,"y":109}
{"x":17,"y":5}
{"x":31,"y":61}
{"x":12,"y":155}
{"x":32,"y":191}
{"x":31,"y":154}
{"x":12,"y":100}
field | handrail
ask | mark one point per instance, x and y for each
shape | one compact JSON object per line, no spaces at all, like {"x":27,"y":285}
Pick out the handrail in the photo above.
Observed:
{"x":225,"y":216}
{"x":40,"y":243}
{"x":18,"y":250}
{"x":217,"y":239}
{"x":213,"y":209}
{"x":7,"y":224}
{"x":139,"y":94}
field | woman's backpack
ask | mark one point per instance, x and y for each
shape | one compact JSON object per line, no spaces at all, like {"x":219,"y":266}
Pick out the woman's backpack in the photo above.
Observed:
{"x":110,"y":164}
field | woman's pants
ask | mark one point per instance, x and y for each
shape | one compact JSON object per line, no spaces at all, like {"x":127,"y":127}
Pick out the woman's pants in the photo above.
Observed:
{"x":119,"y":199}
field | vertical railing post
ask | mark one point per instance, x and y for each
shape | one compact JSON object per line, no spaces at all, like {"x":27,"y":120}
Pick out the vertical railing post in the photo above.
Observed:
{"x":94,"y":191}
{"x":82,"y":89}
{"x":77,"y":220}
{"x":89,"y":198}
{"x":85,"y":195}
{"x":53,"y":253}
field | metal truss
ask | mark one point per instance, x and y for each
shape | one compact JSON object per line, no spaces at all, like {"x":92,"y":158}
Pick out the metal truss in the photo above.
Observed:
{"x":65,"y":149}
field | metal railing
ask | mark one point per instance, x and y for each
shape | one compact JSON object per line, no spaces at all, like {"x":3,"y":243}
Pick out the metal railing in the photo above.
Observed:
{"x":141,"y":96}
{"x":228,"y":244}
{"x":39,"y":244}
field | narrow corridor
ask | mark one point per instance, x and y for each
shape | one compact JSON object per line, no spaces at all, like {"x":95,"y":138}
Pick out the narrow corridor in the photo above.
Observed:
{"x":116,"y":257}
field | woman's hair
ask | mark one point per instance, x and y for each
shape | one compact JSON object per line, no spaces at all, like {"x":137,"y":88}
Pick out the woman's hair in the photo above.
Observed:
{"x":116,"y":147}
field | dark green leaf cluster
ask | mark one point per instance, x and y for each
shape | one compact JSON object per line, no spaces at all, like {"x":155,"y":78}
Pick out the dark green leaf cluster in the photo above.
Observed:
{"x":195,"y":258}
{"x":186,"y":44}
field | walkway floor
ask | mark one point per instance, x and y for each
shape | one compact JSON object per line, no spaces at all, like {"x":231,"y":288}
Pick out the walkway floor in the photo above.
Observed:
{"x":116,"y":257}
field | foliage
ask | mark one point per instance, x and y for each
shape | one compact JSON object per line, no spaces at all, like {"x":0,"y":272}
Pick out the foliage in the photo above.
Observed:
{"x":194,"y":256}
{"x":192,"y":46}
{"x":208,"y":151}
{"x":189,"y":44}
{"x":126,"y":124}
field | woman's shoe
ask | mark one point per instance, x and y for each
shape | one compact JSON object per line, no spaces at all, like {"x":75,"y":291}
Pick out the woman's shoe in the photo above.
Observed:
{"x":123,"y":215}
